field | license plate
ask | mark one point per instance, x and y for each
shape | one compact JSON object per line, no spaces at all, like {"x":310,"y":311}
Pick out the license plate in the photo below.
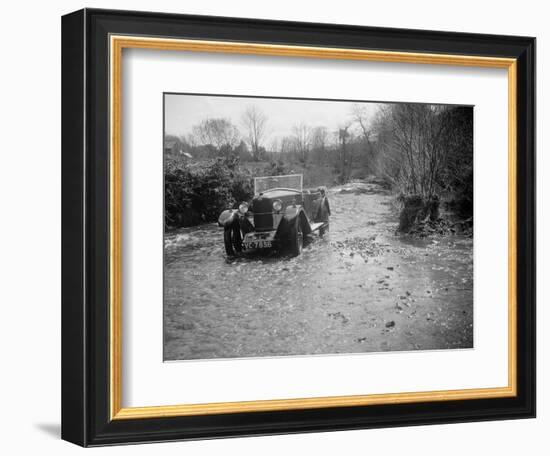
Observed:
{"x":257,"y":244}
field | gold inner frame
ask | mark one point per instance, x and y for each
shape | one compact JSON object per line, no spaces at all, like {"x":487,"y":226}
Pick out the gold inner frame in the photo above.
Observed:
{"x":117,"y":44}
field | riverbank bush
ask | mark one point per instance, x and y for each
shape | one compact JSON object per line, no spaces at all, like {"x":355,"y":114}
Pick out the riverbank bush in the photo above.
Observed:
{"x":197,"y":193}
{"x":416,"y":210}
{"x":422,"y":217}
{"x":426,"y":152}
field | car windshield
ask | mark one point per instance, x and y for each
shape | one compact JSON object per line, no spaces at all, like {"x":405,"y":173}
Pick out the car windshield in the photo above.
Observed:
{"x":291,"y":181}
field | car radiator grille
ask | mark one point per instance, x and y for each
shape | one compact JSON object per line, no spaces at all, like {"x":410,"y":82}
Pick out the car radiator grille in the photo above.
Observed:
{"x":263,"y":221}
{"x":263,"y":216}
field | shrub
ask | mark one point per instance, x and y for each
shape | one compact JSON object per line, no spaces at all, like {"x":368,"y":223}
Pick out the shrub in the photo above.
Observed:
{"x":417,"y":209}
{"x":198,"y":193}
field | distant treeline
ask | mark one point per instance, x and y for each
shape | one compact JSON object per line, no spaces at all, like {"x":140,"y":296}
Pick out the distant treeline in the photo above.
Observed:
{"x":424,"y":153}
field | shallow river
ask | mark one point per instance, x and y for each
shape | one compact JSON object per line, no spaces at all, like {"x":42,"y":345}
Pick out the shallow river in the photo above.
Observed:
{"x":362,"y":289}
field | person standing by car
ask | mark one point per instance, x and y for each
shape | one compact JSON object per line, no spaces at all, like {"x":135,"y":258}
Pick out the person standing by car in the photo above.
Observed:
{"x":324,"y":208}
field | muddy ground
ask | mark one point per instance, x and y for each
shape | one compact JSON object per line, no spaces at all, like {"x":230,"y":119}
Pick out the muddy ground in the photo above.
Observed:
{"x":363,"y":289}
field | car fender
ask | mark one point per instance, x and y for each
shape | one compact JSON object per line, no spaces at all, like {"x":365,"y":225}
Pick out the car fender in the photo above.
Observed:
{"x":290,"y":217}
{"x":288,"y":220}
{"x":291,"y":212}
{"x":227,"y":217}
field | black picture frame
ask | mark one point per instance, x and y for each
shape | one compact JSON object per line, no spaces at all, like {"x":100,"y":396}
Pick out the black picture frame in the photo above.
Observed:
{"x":85,"y":228}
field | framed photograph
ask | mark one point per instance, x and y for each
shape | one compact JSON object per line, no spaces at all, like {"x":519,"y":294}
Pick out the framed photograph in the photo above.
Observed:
{"x":278,"y":227}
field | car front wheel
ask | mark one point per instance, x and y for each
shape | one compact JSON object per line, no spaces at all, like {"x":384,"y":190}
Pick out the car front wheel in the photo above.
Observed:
{"x":232,"y":239}
{"x":296,"y":239}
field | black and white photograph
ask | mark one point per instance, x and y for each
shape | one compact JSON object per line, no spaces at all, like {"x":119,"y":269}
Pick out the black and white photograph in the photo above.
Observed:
{"x":275,"y":228}
{"x":301,"y":227}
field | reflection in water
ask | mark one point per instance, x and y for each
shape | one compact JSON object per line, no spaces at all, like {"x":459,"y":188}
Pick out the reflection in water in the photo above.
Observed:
{"x":363,"y":289}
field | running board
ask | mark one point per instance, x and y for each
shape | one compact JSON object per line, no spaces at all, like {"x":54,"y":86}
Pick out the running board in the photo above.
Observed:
{"x":316,"y":226}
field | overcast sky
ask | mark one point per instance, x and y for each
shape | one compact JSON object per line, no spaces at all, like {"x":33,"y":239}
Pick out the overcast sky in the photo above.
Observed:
{"x":182,"y":112}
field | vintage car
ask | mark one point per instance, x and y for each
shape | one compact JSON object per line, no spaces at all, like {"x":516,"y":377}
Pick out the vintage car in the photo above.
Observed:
{"x":280,"y":216}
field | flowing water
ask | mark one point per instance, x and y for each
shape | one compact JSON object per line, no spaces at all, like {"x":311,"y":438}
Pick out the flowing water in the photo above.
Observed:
{"x":362,"y":289}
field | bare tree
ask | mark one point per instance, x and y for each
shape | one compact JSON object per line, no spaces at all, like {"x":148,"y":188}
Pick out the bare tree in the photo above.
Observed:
{"x":274,"y":144}
{"x":344,"y":136}
{"x":219,"y":133}
{"x":191,"y":140}
{"x":319,"y":137}
{"x":415,"y":155}
{"x":302,"y":137}
{"x":362,"y":117}
{"x":287,"y":146}
{"x":255,"y":123}
{"x":319,"y":142}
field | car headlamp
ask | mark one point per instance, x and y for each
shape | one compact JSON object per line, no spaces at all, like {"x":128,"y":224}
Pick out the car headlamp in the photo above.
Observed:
{"x":277,"y":205}
{"x":243,"y":208}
